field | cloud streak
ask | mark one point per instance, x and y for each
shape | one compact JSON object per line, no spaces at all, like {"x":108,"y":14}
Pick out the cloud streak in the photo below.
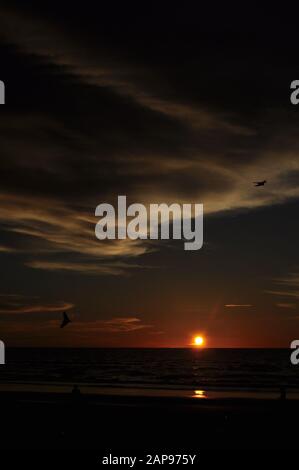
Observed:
{"x":141,"y":135}
{"x":18,"y":304}
{"x":238,"y":305}
{"x":114,"y":325}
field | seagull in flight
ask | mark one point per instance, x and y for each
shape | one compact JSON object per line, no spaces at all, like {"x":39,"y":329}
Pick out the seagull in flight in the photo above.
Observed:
{"x":260,"y":183}
{"x":65,"y":320}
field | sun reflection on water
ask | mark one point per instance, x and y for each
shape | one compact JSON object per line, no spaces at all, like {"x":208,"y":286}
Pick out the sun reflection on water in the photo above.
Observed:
{"x":199,"y":394}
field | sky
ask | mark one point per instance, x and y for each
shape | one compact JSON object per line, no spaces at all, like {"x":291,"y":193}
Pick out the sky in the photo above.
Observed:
{"x":162,"y":104}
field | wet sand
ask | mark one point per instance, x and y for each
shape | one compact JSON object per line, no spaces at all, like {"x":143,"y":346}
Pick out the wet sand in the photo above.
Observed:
{"x":149,"y":391}
{"x":32,"y":420}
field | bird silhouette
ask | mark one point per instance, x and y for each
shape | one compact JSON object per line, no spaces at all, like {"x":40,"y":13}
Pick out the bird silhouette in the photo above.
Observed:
{"x":260,"y":183}
{"x":65,"y":320}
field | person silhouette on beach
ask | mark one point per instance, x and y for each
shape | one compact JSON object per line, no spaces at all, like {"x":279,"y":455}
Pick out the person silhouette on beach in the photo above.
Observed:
{"x":283,"y":393}
{"x":76,"y":393}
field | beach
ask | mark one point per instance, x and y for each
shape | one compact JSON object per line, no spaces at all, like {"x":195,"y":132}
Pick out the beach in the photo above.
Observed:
{"x":40,"y":420}
{"x":154,"y":399}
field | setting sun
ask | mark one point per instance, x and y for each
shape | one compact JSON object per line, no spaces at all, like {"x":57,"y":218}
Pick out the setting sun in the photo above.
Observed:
{"x":198,"y":341}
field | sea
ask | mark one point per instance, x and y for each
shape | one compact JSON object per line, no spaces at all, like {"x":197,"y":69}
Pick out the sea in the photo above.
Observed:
{"x":198,"y":373}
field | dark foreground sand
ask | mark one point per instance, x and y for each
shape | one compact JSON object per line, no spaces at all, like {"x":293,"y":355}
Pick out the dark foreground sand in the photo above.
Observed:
{"x":59,"y":421}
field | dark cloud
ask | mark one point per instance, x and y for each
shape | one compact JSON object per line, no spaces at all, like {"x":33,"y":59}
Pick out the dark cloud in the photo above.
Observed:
{"x":126,"y":117}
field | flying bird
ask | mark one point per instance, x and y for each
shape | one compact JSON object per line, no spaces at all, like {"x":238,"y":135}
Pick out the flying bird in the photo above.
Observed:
{"x":260,"y":183}
{"x":65,"y":320}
